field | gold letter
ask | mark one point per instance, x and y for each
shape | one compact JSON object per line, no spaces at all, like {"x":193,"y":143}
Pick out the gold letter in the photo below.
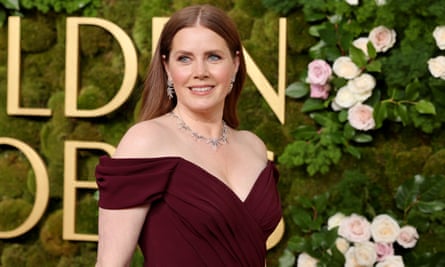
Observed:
{"x":71,"y":184}
{"x":72,"y":67}
{"x":42,"y":188}
{"x":276,"y":101}
{"x":13,"y":99}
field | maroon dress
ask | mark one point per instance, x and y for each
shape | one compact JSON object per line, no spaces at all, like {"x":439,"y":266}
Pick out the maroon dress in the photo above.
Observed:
{"x":194,"y":219}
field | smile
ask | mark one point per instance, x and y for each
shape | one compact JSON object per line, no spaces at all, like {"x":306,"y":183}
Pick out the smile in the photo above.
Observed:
{"x":201,"y":89}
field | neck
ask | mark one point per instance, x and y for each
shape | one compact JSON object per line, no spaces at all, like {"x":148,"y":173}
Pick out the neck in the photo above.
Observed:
{"x":215,"y":142}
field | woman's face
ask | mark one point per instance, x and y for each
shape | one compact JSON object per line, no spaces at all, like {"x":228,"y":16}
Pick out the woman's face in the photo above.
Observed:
{"x":201,"y":67}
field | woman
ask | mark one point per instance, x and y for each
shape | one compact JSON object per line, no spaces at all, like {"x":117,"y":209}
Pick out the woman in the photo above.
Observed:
{"x":183,"y":182}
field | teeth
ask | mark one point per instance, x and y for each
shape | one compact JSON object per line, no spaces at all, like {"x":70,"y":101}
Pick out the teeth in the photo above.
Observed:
{"x":201,"y":89}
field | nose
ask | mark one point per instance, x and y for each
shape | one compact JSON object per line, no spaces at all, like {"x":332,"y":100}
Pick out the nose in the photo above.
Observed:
{"x":200,"y":70}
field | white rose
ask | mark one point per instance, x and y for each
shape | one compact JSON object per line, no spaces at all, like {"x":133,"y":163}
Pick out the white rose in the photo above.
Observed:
{"x":363,"y":83}
{"x":344,"y":67}
{"x":436,"y":67}
{"x":350,"y":260}
{"x":382,"y":38}
{"x":391,"y":261}
{"x":361,"y":117}
{"x":335,"y":106}
{"x":342,"y":244}
{"x":335,"y":220}
{"x":384,"y":229}
{"x":352,"y":2}
{"x":305,"y":260}
{"x":439,"y":36}
{"x":380,"y":2}
{"x":355,"y":228}
{"x":345,"y":98}
{"x":365,"y":253}
{"x":408,"y":236}
{"x":362,"y":44}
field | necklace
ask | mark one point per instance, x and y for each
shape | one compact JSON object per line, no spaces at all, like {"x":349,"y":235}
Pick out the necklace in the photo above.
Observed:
{"x":214,"y":142}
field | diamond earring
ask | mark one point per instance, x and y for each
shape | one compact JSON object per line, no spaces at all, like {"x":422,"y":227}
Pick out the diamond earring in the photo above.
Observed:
{"x":170,"y":89}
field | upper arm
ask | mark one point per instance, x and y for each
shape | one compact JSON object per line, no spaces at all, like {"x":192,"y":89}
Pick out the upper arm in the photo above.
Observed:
{"x":118,"y":235}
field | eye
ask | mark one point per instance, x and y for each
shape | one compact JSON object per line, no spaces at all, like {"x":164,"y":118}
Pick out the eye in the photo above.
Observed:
{"x":214,"y":57}
{"x":184,"y":59}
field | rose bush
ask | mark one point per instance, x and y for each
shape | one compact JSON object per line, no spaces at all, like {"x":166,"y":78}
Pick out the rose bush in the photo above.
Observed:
{"x":343,"y":227}
{"x":367,"y":68}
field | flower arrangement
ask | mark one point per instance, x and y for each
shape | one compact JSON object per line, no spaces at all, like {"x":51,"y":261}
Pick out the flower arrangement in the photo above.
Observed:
{"x":326,"y":237}
{"x":367,"y":69}
{"x":367,"y":244}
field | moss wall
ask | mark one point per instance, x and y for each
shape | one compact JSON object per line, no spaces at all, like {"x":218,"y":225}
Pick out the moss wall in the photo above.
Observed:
{"x":396,"y":154}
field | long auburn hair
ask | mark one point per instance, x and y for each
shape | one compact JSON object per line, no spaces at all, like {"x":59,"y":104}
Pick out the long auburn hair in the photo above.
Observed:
{"x":155,"y":101}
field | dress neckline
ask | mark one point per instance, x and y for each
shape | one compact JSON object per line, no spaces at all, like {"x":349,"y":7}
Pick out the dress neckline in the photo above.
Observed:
{"x":207,"y":173}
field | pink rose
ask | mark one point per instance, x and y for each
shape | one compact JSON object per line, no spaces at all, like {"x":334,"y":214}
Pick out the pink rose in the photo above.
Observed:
{"x":320,"y":91}
{"x":382,"y":38}
{"x":355,"y":228}
{"x":408,"y":236}
{"x":384,"y":250}
{"x":319,"y":72}
{"x":360,"y":117}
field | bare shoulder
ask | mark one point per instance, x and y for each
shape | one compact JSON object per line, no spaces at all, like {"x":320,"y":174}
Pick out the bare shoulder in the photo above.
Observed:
{"x":253,"y":142}
{"x":142,"y":140}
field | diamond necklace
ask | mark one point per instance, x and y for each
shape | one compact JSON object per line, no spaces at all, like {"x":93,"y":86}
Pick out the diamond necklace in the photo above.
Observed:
{"x":214,"y":142}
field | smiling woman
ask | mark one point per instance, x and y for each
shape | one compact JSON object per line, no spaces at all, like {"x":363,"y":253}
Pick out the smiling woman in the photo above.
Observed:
{"x":184,"y":183}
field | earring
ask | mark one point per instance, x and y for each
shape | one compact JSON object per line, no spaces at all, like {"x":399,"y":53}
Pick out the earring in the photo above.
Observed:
{"x":170,"y":89}
{"x":231,"y":83}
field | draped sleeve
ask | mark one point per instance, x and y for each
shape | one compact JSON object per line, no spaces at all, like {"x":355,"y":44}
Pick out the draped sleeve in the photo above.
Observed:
{"x":130,"y":182}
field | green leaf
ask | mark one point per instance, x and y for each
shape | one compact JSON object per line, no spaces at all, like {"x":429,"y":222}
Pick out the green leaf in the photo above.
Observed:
{"x":353,"y":151}
{"x":297,"y":90}
{"x":311,"y":105}
{"x":321,"y":119}
{"x":287,"y":259}
{"x":348,"y":131}
{"x":425,"y":107}
{"x":407,"y":193}
{"x":357,"y":56}
{"x":380,"y":113}
{"x":301,"y":218}
{"x":305,"y":132}
{"x":432,"y":206}
{"x":374,"y":66}
{"x":11,"y":4}
{"x":402,"y":113}
{"x":412,"y":90}
{"x":372,"y":53}
{"x":363,"y":138}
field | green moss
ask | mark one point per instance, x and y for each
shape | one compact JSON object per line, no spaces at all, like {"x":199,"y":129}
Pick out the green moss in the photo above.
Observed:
{"x":435,"y":165}
{"x":37,"y":256}
{"x":404,"y":165}
{"x":13,"y":256}
{"x":243,"y":21}
{"x":13,"y":212}
{"x":253,"y":8}
{"x":14,"y":168}
{"x":94,"y":40}
{"x":51,"y":236}
{"x":86,"y":259}
{"x":91,"y":97}
{"x":37,"y":33}
{"x":86,"y":215}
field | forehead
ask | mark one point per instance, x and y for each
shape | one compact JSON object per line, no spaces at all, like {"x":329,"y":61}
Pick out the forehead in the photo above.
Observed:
{"x":198,"y":38}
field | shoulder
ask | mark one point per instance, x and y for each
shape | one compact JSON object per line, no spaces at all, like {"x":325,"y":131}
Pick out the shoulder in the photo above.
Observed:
{"x":253,"y":142}
{"x":142,"y":140}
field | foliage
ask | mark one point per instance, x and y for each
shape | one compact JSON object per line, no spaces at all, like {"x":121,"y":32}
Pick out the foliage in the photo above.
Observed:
{"x":419,"y":202}
{"x":15,"y":7}
{"x":401,"y":89}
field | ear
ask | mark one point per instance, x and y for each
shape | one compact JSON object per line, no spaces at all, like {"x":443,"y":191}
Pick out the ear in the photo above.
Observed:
{"x":236,"y":61}
{"x":165,"y":63}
